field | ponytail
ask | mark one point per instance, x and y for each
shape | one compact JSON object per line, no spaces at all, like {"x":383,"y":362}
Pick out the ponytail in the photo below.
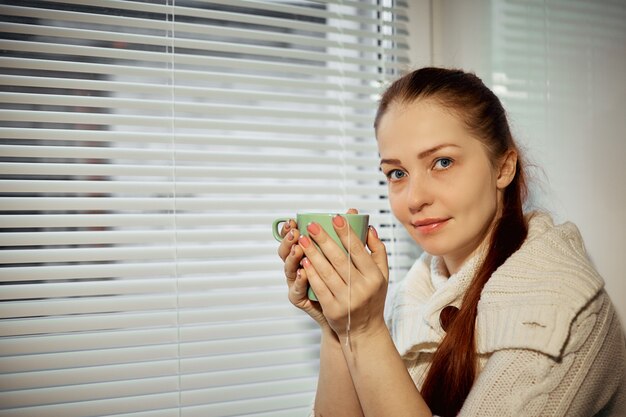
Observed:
{"x":454,"y":365}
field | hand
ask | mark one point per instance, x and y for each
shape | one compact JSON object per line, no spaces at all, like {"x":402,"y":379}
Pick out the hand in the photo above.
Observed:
{"x":357,"y":284}
{"x":292,"y":254}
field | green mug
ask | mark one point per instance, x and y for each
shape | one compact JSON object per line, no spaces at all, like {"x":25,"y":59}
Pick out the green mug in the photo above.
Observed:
{"x":358,"y":222}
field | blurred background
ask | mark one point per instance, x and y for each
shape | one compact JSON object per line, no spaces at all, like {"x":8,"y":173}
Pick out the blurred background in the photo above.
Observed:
{"x":146,"y":146}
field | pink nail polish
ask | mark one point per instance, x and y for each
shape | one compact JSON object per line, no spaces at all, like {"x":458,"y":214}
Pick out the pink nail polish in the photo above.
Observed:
{"x":374,"y":232}
{"x":339,"y":221}
{"x":290,"y":236}
{"x":313,"y":228}
{"x":304,"y":241}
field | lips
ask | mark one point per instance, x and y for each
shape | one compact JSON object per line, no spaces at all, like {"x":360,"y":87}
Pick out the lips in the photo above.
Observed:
{"x":431,"y":225}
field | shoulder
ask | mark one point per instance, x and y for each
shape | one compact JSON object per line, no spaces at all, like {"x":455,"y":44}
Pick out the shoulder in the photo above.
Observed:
{"x":587,"y":378}
{"x":532,"y":300}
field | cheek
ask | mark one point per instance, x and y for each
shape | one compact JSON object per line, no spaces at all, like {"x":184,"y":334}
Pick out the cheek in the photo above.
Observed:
{"x":396,"y":202}
{"x":480,"y":193}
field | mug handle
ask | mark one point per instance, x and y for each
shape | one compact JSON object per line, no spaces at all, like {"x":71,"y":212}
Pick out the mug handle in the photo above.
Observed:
{"x":275,"y":230}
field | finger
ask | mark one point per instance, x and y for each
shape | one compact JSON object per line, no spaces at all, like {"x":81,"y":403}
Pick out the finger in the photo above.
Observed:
{"x":318,"y":262}
{"x":287,"y":226}
{"x":292,"y":262}
{"x":352,"y":211}
{"x":319,"y":285}
{"x":359,"y":256}
{"x":288,"y":241}
{"x":378,"y":252}
{"x":298,"y":290}
{"x":332,"y":252}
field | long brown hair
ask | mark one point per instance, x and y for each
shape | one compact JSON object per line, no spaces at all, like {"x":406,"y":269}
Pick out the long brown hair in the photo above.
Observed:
{"x":454,"y":365}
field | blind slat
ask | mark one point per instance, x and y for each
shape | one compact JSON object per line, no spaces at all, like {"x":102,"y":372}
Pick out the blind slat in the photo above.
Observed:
{"x":81,"y":359}
{"x":183,"y":204}
{"x":247,"y":360}
{"x":142,"y":187}
{"x":79,"y":376}
{"x":158,"y":74}
{"x":368,"y":147}
{"x":89,"y":323}
{"x":234,"y":376}
{"x":238,"y":393}
{"x":250,"y":18}
{"x":93,"y":408}
{"x":165,"y":90}
{"x":88,"y":341}
{"x":88,"y":305}
{"x":304,"y":171}
{"x":92,"y":385}
{"x":139,"y":154}
{"x":129,"y":253}
{"x":128,"y":237}
{"x":162,"y":27}
{"x":160,"y":105}
{"x":142,"y":220}
{"x":89,"y":118}
{"x":254,"y":405}
{"x":219,"y":47}
{"x":115,"y":327}
{"x":154,"y":269}
{"x":138,"y":236}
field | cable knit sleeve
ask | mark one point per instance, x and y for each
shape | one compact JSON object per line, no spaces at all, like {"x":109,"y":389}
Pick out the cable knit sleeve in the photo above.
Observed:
{"x":588,"y":379}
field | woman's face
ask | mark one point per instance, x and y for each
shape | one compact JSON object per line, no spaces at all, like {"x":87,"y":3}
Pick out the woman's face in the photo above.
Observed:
{"x":442,"y":186}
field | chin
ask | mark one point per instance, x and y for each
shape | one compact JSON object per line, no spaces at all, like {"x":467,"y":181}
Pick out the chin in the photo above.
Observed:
{"x":432,"y":248}
{"x":434,"y":251}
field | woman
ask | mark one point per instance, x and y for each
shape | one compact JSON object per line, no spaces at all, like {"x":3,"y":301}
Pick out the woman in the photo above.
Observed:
{"x":502,"y":315}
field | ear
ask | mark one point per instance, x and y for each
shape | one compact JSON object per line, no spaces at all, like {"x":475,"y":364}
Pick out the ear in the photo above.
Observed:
{"x":506,"y":172}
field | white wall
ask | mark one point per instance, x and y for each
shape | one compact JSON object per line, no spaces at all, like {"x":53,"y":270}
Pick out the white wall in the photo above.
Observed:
{"x":564,"y":85}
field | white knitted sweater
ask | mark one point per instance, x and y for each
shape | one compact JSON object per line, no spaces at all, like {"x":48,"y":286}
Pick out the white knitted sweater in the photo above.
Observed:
{"x":548,"y":338}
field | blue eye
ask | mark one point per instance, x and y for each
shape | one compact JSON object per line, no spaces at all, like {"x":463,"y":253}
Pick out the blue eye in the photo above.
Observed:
{"x":443,"y":163}
{"x":395,"y":175}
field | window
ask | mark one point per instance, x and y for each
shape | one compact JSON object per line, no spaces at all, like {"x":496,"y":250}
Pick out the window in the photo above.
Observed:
{"x":146,"y":148}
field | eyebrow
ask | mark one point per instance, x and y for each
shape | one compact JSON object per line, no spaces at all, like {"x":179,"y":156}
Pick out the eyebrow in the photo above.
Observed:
{"x":420,"y":155}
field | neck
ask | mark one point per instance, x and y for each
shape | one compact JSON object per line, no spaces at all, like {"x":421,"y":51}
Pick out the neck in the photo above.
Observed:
{"x":454,"y":262}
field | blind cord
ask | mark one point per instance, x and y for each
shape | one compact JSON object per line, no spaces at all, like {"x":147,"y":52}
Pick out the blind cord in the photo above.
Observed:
{"x":344,"y":188}
{"x":172,"y":65}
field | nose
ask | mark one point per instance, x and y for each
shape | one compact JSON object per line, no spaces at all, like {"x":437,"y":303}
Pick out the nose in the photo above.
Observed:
{"x":418,"y":194}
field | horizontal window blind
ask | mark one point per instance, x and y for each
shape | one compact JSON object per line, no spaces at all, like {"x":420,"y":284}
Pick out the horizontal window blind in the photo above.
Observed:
{"x":146,"y":147}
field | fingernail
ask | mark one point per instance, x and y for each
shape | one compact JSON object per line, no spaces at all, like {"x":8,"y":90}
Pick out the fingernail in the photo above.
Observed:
{"x":306,"y":263}
{"x":339,"y":221}
{"x":293,"y":250}
{"x":298,"y":273}
{"x":313,"y":229}
{"x":374,"y":232}
{"x":287,"y":225}
{"x":304,"y":241}
{"x":290,"y":236}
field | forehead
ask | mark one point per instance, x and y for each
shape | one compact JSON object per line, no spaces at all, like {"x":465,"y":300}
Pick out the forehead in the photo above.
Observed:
{"x":418,"y":126}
